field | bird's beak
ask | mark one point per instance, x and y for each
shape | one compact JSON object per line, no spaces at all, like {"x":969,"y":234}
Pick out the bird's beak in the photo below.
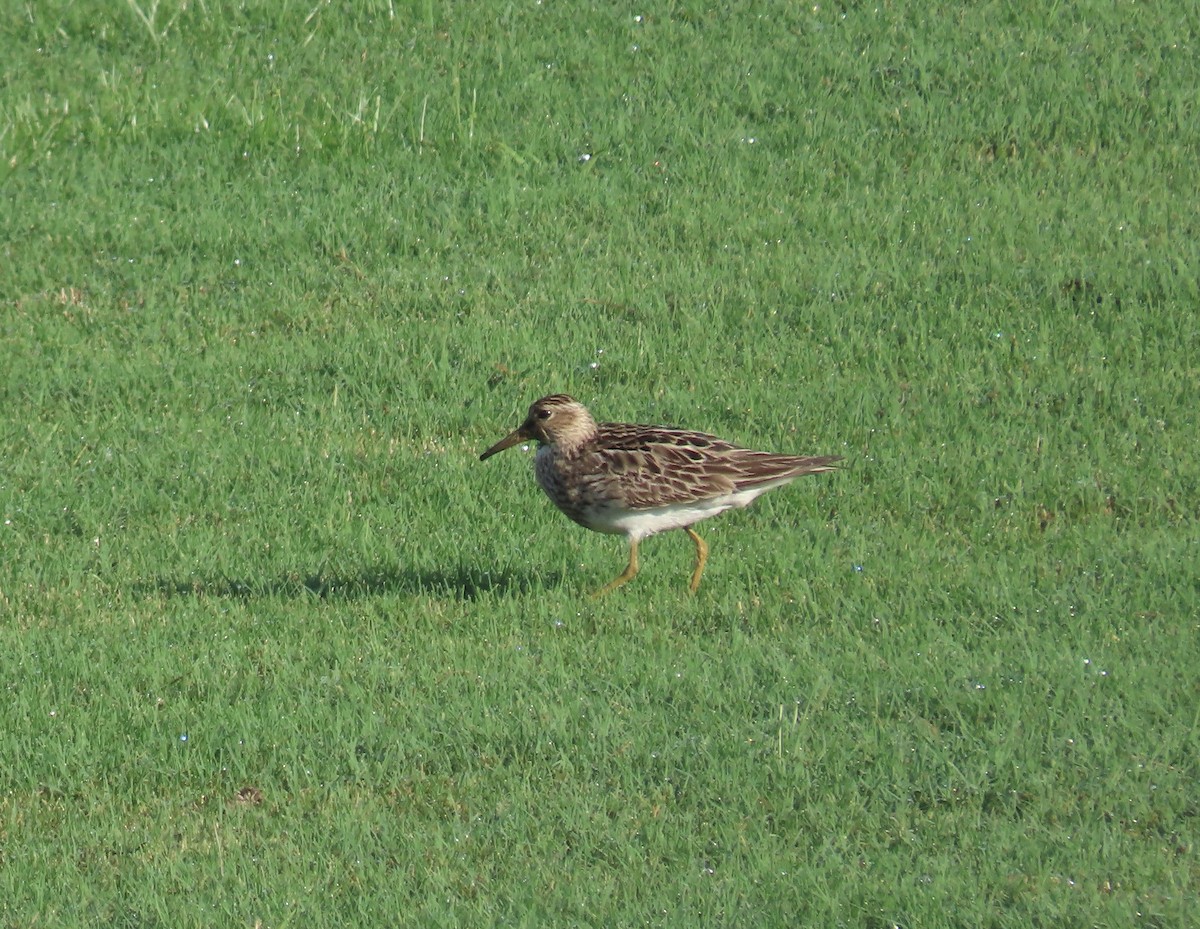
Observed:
{"x":515,"y":437}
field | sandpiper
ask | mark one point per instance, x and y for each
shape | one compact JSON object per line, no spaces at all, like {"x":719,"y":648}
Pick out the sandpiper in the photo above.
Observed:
{"x":636,"y":480}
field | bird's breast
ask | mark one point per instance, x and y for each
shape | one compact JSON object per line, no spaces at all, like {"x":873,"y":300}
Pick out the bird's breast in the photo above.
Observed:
{"x":575,"y":488}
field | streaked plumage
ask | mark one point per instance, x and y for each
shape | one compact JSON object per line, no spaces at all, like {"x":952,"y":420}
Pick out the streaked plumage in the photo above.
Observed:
{"x":637,"y":480}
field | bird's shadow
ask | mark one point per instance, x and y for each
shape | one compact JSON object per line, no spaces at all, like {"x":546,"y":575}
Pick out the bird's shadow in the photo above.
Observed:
{"x":466,"y":583}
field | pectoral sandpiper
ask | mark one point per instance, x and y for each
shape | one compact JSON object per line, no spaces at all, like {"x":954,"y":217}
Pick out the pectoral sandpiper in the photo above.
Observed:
{"x":636,"y":481}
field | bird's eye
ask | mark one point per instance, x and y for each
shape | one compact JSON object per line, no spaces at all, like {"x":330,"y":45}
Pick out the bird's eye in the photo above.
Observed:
{"x":543,"y":414}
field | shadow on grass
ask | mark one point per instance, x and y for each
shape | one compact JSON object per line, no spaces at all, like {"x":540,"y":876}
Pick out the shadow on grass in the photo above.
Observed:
{"x":464,"y":583}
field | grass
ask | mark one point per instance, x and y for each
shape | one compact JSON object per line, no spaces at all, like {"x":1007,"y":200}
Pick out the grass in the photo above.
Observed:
{"x":280,"y":651}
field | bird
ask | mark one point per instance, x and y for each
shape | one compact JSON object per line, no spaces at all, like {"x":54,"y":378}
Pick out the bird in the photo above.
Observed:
{"x":639,"y":480}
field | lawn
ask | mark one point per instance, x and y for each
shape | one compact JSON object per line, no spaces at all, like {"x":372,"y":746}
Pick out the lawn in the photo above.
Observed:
{"x":280,"y":650}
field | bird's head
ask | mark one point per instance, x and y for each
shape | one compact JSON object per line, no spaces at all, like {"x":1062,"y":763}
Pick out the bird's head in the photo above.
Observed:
{"x":555,"y":420}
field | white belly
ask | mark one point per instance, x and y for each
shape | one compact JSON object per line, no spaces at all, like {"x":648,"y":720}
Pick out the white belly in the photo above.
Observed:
{"x":638,"y":524}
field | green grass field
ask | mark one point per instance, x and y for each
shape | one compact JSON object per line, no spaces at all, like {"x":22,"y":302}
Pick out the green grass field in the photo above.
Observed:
{"x":278,"y":650}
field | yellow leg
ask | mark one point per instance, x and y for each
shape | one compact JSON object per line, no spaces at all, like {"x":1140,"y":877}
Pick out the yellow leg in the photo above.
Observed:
{"x":701,"y":558}
{"x":631,"y":569}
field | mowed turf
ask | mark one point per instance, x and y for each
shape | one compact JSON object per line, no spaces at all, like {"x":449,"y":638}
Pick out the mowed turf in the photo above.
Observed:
{"x":279,"y":650}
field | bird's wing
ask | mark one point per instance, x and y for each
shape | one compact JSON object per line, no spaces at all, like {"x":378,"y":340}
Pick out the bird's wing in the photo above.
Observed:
{"x":650,"y":466}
